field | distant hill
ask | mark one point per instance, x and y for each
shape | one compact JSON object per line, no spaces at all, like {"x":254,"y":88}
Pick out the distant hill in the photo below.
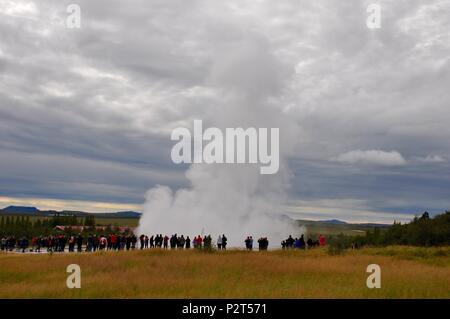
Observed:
{"x":126,"y":214}
{"x":333,"y":221}
{"x":33,"y":211}
{"x":129,"y":214}
{"x":20,"y":210}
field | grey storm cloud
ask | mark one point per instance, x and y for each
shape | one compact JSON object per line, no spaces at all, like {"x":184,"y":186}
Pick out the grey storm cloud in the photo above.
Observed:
{"x":87,"y":113}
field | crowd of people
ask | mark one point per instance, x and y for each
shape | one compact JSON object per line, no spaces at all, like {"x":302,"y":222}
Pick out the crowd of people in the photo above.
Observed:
{"x":299,"y":243}
{"x":92,"y":242}
{"x":59,"y":243}
{"x":263,"y":243}
{"x":181,"y":242}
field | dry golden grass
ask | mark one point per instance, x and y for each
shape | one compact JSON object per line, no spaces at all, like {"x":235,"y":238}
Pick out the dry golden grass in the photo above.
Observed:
{"x":405,"y":272}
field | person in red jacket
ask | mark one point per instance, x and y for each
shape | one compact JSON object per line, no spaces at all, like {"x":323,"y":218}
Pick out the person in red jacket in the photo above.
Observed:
{"x":114,"y":241}
{"x":321,"y":240}
{"x":33,"y":243}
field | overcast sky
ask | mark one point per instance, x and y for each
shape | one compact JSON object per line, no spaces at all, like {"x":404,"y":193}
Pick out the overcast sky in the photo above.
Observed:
{"x":86,"y":114}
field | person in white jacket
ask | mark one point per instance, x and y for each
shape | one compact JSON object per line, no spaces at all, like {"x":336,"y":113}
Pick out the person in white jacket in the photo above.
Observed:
{"x":219,"y":242}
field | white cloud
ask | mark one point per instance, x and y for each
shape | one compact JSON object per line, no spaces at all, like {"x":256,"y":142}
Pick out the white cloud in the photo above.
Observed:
{"x":430,"y":159}
{"x":371,"y":157}
{"x":18,"y":8}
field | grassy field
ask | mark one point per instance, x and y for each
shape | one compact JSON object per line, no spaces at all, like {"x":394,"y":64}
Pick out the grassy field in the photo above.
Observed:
{"x":314,"y":228}
{"x":405,"y":273}
{"x":130,"y":222}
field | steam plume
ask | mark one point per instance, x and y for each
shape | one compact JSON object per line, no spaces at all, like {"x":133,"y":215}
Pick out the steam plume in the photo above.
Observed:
{"x":233,"y":199}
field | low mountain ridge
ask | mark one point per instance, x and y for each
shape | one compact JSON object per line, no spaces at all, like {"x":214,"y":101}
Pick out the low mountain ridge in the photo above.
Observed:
{"x":33,"y":211}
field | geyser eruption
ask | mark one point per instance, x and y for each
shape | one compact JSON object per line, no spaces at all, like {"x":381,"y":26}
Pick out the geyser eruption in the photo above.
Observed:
{"x":233,"y":199}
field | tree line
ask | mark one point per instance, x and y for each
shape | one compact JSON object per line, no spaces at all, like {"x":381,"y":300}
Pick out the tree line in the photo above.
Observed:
{"x":421,"y":231}
{"x":25,"y":226}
